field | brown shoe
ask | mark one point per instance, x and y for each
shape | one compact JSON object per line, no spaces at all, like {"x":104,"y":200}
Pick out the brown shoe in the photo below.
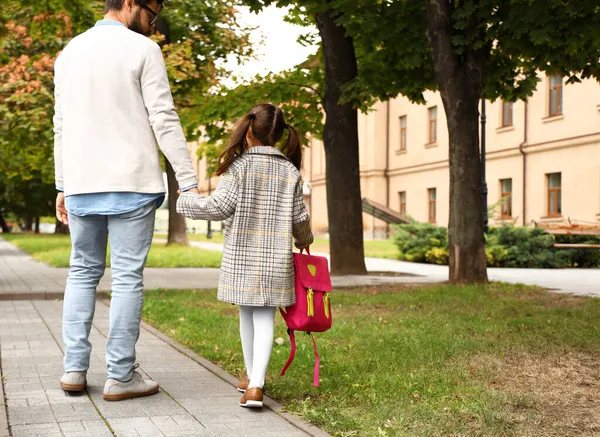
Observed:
{"x":253,"y":398}
{"x":243,"y":385}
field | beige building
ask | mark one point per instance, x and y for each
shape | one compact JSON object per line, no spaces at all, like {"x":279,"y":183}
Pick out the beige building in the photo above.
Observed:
{"x":543,"y":159}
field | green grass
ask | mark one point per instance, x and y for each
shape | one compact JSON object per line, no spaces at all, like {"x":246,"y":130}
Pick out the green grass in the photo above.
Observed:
{"x":433,"y":361}
{"x":55,"y":251}
{"x":217,"y":237}
{"x":373,"y":248}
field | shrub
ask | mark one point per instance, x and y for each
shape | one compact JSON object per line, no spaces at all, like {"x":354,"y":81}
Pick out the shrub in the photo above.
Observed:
{"x":584,"y":258}
{"x":506,"y":246}
{"x":523,"y":247}
{"x":415,"y":242}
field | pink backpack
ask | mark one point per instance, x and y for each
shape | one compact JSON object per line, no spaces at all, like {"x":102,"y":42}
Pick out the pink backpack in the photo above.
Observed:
{"x":312,"y":311}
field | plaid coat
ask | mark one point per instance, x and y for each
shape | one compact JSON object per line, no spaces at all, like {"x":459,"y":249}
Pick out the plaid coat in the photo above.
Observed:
{"x":260,"y":197}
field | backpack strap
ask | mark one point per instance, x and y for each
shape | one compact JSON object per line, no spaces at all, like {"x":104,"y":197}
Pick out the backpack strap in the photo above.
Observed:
{"x":292,"y":352}
{"x":317,"y":361}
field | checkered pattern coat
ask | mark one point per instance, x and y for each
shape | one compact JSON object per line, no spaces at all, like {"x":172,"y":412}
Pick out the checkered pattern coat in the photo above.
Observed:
{"x":260,"y":197}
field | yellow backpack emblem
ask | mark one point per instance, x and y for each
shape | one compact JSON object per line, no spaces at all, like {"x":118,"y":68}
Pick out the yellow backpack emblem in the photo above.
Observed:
{"x":312,"y":269}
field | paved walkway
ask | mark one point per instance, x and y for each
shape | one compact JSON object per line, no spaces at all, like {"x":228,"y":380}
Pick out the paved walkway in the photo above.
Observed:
{"x":197,"y":398}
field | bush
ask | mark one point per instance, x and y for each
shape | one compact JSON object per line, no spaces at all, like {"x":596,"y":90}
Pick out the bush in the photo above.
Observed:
{"x":506,"y":246}
{"x":585,"y":258}
{"x":422,"y":243}
{"x":512,"y":246}
{"x":437,"y":255}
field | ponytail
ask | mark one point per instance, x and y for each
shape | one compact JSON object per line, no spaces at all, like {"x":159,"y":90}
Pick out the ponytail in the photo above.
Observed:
{"x":237,"y":144}
{"x":268,"y":126}
{"x":292,"y":147}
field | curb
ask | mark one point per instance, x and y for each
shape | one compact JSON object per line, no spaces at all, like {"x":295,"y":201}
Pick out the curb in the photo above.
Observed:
{"x":4,"y":430}
{"x":43,"y":295}
{"x":276,"y":407}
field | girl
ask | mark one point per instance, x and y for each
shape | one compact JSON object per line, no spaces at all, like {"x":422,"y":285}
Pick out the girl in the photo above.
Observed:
{"x":260,"y":195}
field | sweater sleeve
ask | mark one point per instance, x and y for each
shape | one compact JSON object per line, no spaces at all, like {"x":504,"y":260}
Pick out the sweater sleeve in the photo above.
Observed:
{"x":165,"y":122}
{"x":58,"y":122}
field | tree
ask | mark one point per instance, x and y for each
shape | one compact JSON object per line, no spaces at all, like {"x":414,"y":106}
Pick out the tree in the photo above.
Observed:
{"x":31,"y":36}
{"x":340,"y":137}
{"x":301,"y":95}
{"x":478,"y":48}
{"x":344,"y":81}
{"x":194,"y":37}
{"x":33,"y":33}
{"x":469,"y":50}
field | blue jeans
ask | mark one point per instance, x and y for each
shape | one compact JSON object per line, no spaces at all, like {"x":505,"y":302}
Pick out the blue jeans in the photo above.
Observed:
{"x":130,"y":239}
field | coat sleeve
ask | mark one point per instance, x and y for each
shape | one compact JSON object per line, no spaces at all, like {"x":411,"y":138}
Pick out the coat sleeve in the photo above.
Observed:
{"x":219,"y":206}
{"x":303,"y":235}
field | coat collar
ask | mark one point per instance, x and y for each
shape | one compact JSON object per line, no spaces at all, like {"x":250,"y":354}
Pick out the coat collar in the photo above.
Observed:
{"x":265,"y":150}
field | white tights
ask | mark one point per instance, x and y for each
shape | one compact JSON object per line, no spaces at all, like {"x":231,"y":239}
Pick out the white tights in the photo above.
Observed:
{"x":256,"y":331}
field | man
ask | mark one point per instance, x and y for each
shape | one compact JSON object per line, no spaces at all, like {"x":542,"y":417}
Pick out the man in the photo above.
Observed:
{"x":113,"y":102}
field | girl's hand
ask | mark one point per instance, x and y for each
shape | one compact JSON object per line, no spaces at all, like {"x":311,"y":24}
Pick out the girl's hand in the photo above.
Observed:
{"x":193,"y":190}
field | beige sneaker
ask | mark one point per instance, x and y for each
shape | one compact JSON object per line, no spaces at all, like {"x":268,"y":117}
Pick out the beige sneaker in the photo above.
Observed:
{"x":138,"y":387}
{"x":73,"y":381}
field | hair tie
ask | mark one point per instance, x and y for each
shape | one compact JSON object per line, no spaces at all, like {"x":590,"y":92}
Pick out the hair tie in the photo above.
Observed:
{"x":252,"y":116}
{"x":286,"y":126}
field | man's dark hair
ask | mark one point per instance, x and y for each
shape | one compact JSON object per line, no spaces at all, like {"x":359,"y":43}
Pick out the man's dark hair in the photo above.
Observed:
{"x":116,"y":5}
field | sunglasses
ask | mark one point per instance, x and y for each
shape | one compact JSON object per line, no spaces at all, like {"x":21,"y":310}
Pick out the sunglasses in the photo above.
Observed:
{"x":154,"y":13}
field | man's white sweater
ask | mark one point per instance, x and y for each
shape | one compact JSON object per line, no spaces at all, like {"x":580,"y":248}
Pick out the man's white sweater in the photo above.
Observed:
{"x":113,"y":102}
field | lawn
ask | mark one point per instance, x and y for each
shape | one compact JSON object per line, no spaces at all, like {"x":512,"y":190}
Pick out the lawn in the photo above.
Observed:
{"x":500,"y":360}
{"x":217,"y":237}
{"x":55,"y":251}
{"x":373,"y":248}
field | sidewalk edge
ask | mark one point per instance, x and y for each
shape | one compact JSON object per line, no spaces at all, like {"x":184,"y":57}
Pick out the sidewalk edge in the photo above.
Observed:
{"x":216,"y":370}
{"x":4,"y":429}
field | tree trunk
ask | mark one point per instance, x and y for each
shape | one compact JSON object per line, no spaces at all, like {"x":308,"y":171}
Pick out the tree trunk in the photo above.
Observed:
{"x":340,"y":137}
{"x":28,"y":224}
{"x":37,"y":225}
{"x":460,"y":81}
{"x":177,"y":225}
{"x":61,"y":229}
{"x":4,"y":225}
{"x":465,"y":231}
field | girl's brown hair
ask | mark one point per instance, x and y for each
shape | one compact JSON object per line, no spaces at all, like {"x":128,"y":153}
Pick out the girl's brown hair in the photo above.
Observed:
{"x":267,"y":125}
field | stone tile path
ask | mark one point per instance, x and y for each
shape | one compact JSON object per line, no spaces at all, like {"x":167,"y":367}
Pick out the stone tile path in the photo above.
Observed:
{"x":197,"y":399}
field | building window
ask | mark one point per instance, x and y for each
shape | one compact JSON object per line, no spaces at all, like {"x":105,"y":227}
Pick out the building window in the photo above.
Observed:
{"x":403,"y":202}
{"x":507,"y":114}
{"x":556,"y":95}
{"x":403,"y":132}
{"x":431,"y":192}
{"x":554,"y":181}
{"x":433,"y":125}
{"x":506,"y":198}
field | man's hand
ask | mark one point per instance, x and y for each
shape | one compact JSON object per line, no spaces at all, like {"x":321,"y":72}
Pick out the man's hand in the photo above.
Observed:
{"x":61,"y":212}
{"x":193,"y":190}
